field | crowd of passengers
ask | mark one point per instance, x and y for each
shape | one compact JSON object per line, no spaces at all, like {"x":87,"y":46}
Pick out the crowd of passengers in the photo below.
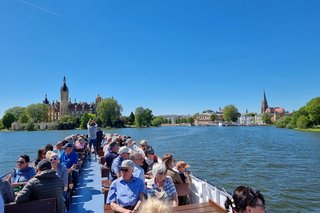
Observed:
{"x":139,"y":177}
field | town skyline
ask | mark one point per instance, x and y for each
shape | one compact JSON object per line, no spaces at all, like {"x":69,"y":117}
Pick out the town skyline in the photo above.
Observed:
{"x":169,"y":57}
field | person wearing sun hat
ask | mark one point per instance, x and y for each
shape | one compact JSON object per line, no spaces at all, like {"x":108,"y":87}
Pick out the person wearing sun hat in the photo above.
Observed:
{"x":127,"y":192}
{"x":45,"y":184}
{"x":183,"y":172}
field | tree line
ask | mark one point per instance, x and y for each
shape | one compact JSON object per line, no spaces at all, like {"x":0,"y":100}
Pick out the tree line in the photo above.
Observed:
{"x":307,"y":116}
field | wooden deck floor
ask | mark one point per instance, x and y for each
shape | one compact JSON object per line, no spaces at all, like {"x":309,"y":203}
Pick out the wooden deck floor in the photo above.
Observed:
{"x":199,"y":208}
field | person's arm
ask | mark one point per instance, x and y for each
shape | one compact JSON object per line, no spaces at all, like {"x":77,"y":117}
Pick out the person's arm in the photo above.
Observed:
{"x":115,"y":207}
{"x":141,"y":199}
{"x":175,"y":200}
{"x":25,"y":194}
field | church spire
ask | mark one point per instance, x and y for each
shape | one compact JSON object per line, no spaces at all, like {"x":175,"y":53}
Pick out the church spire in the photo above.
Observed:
{"x":264,"y":104}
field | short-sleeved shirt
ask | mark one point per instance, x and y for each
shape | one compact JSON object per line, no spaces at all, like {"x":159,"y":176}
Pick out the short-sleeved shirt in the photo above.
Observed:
{"x":62,"y":172}
{"x":69,"y":160}
{"x":22,"y":175}
{"x":168,"y":187}
{"x":115,"y":167}
{"x":125,"y":193}
{"x":138,"y":172}
{"x":110,"y":157}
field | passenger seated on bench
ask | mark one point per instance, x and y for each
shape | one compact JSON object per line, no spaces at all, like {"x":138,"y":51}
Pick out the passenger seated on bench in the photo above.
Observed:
{"x":161,"y":186}
{"x":22,"y":173}
{"x":148,"y":163}
{"x":46,"y":184}
{"x":61,"y":170}
{"x":112,"y":153}
{"x":154,"y":205}
{"x":70,"y":159}
{"x":6,"y":191}
{"x":116,"y":164}
{"x":41,"y":155}
{"x":170,"y":162}
{"x":245,"y":200}
{"x":127,"y":192}
{"x":184,"y":174}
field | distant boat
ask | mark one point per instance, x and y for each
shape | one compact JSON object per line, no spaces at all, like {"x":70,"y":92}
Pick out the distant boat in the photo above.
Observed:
{"x":221,"y":124}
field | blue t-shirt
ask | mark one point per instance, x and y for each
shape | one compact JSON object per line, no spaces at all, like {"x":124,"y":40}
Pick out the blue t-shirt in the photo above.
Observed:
{"x":22,"y":175}
{"x":69,"y":160}
{"x":125,"y":193}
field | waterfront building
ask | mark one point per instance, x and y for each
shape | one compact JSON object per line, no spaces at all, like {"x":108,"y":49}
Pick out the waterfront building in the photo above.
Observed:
{"x":205,"y":117}
{"x":274,"y":112}
{"x":57,"y":109}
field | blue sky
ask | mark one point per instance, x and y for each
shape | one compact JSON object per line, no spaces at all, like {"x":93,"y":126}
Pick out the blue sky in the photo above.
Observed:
{"x":174,"y":57}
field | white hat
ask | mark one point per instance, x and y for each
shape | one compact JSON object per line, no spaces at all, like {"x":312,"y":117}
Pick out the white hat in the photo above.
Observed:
{"x":123,"y":149}
{"x":127,"y":164}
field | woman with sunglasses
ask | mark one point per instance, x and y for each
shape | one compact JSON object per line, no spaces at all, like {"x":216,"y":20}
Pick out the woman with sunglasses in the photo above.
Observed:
{"x":161,"y":186}
{"x":245,"y":200}
{"x":22,"y":173}
{"x":61,"y":170}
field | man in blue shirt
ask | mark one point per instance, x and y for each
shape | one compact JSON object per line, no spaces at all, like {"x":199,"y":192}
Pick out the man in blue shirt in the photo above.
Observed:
{"x":115,"y":167}
{"x":127,"y":192}
{"x":112,"y":154}
{"x":70,"y":159}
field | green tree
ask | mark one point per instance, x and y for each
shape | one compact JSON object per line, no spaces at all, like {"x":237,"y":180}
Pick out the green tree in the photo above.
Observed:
{"x":303,"y":122}
{"x":313,"y":110}
{"x":8,"y":119}
{"x":230,"y":113}
{"x":16,"y":111}
{"x":85,"y":119}
{"x":283,"y":122}
{"x":158,"y":120}
{"x":138,"y":117}
{"x":24,"y":118}
{"x":190,"y":120}
{"x":109,"y":111}
{"x":213,"y":117}
{"x":131,"y":118}
{"x":67,"y":119}
{"x":38,"y":112}
{"x":1,"y":125}
{"x":30,"y":126}
{"x":266,"y":118}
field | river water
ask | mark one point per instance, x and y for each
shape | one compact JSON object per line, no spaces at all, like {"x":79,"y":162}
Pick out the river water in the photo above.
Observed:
{"x":283,"y":164}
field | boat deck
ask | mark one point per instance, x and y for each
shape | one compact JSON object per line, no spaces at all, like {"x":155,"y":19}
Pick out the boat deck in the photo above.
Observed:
{"x":209,"y":206}
{"x":88,"y":197}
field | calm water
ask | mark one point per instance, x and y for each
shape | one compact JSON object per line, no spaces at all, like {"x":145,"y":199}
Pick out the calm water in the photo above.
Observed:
{"x":283,"y":164}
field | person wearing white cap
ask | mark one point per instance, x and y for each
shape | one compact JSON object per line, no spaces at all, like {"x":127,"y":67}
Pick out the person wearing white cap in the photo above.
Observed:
{"x":127,"y":192}
{"x":115,"y":167}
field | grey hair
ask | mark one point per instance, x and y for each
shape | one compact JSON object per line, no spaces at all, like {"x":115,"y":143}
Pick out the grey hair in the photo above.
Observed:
{"x":158,"y":168}
{"x":136,"y":155}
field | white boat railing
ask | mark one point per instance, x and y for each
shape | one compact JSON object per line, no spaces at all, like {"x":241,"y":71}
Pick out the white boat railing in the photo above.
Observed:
{"x":201,"y":191}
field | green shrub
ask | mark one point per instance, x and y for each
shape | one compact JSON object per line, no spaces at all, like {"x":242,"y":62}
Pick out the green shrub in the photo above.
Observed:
{"x":303,"y":122}
{"x":30,"y":126}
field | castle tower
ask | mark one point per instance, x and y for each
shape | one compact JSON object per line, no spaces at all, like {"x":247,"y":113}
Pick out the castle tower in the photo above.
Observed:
{"x":264,"y":104}
{"x":64,"y":98}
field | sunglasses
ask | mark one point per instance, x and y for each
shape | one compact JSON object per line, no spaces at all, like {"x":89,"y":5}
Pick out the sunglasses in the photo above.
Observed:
{"x":21,"y":162}
{"x":124,"y":170}
{"x":161,"y":173}
{"x":53,"y":159}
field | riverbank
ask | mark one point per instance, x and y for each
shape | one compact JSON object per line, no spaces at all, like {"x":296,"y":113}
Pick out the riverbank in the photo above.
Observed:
{"x":309,"y":130}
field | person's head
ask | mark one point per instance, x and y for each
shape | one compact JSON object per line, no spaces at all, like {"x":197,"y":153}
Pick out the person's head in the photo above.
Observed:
{"x":68,"y":148}
{"x":143,"y":144}
{"x":41,"y":154}
{"x":48,"y":147}
{"x":182,"y":166}
{"x":48,"y":154}
{"x":59,"y":145}
{"x":54,"y":159}
{"x":23,"y":161}
{"x":155,"y":206}
{"x":159,"y":171}
{"x":126,"y":169}
{"x":245,"y":200}
{"x":149,"y":154}
{"x":168,"y":160}
{"x":124,"y":152}
{"x":92,"y":123}
{"x":44,"y":165}
{"x":137,"y":157}
{"x":114,"y":147}
{"x":129,"y":142}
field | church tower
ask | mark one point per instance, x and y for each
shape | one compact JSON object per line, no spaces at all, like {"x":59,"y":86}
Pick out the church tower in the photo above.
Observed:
{"x":264,"y":104}
{"x":64,"y":97}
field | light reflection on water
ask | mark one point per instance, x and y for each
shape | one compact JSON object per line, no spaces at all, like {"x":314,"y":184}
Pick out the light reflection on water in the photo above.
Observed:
{"x":283,"y":164}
